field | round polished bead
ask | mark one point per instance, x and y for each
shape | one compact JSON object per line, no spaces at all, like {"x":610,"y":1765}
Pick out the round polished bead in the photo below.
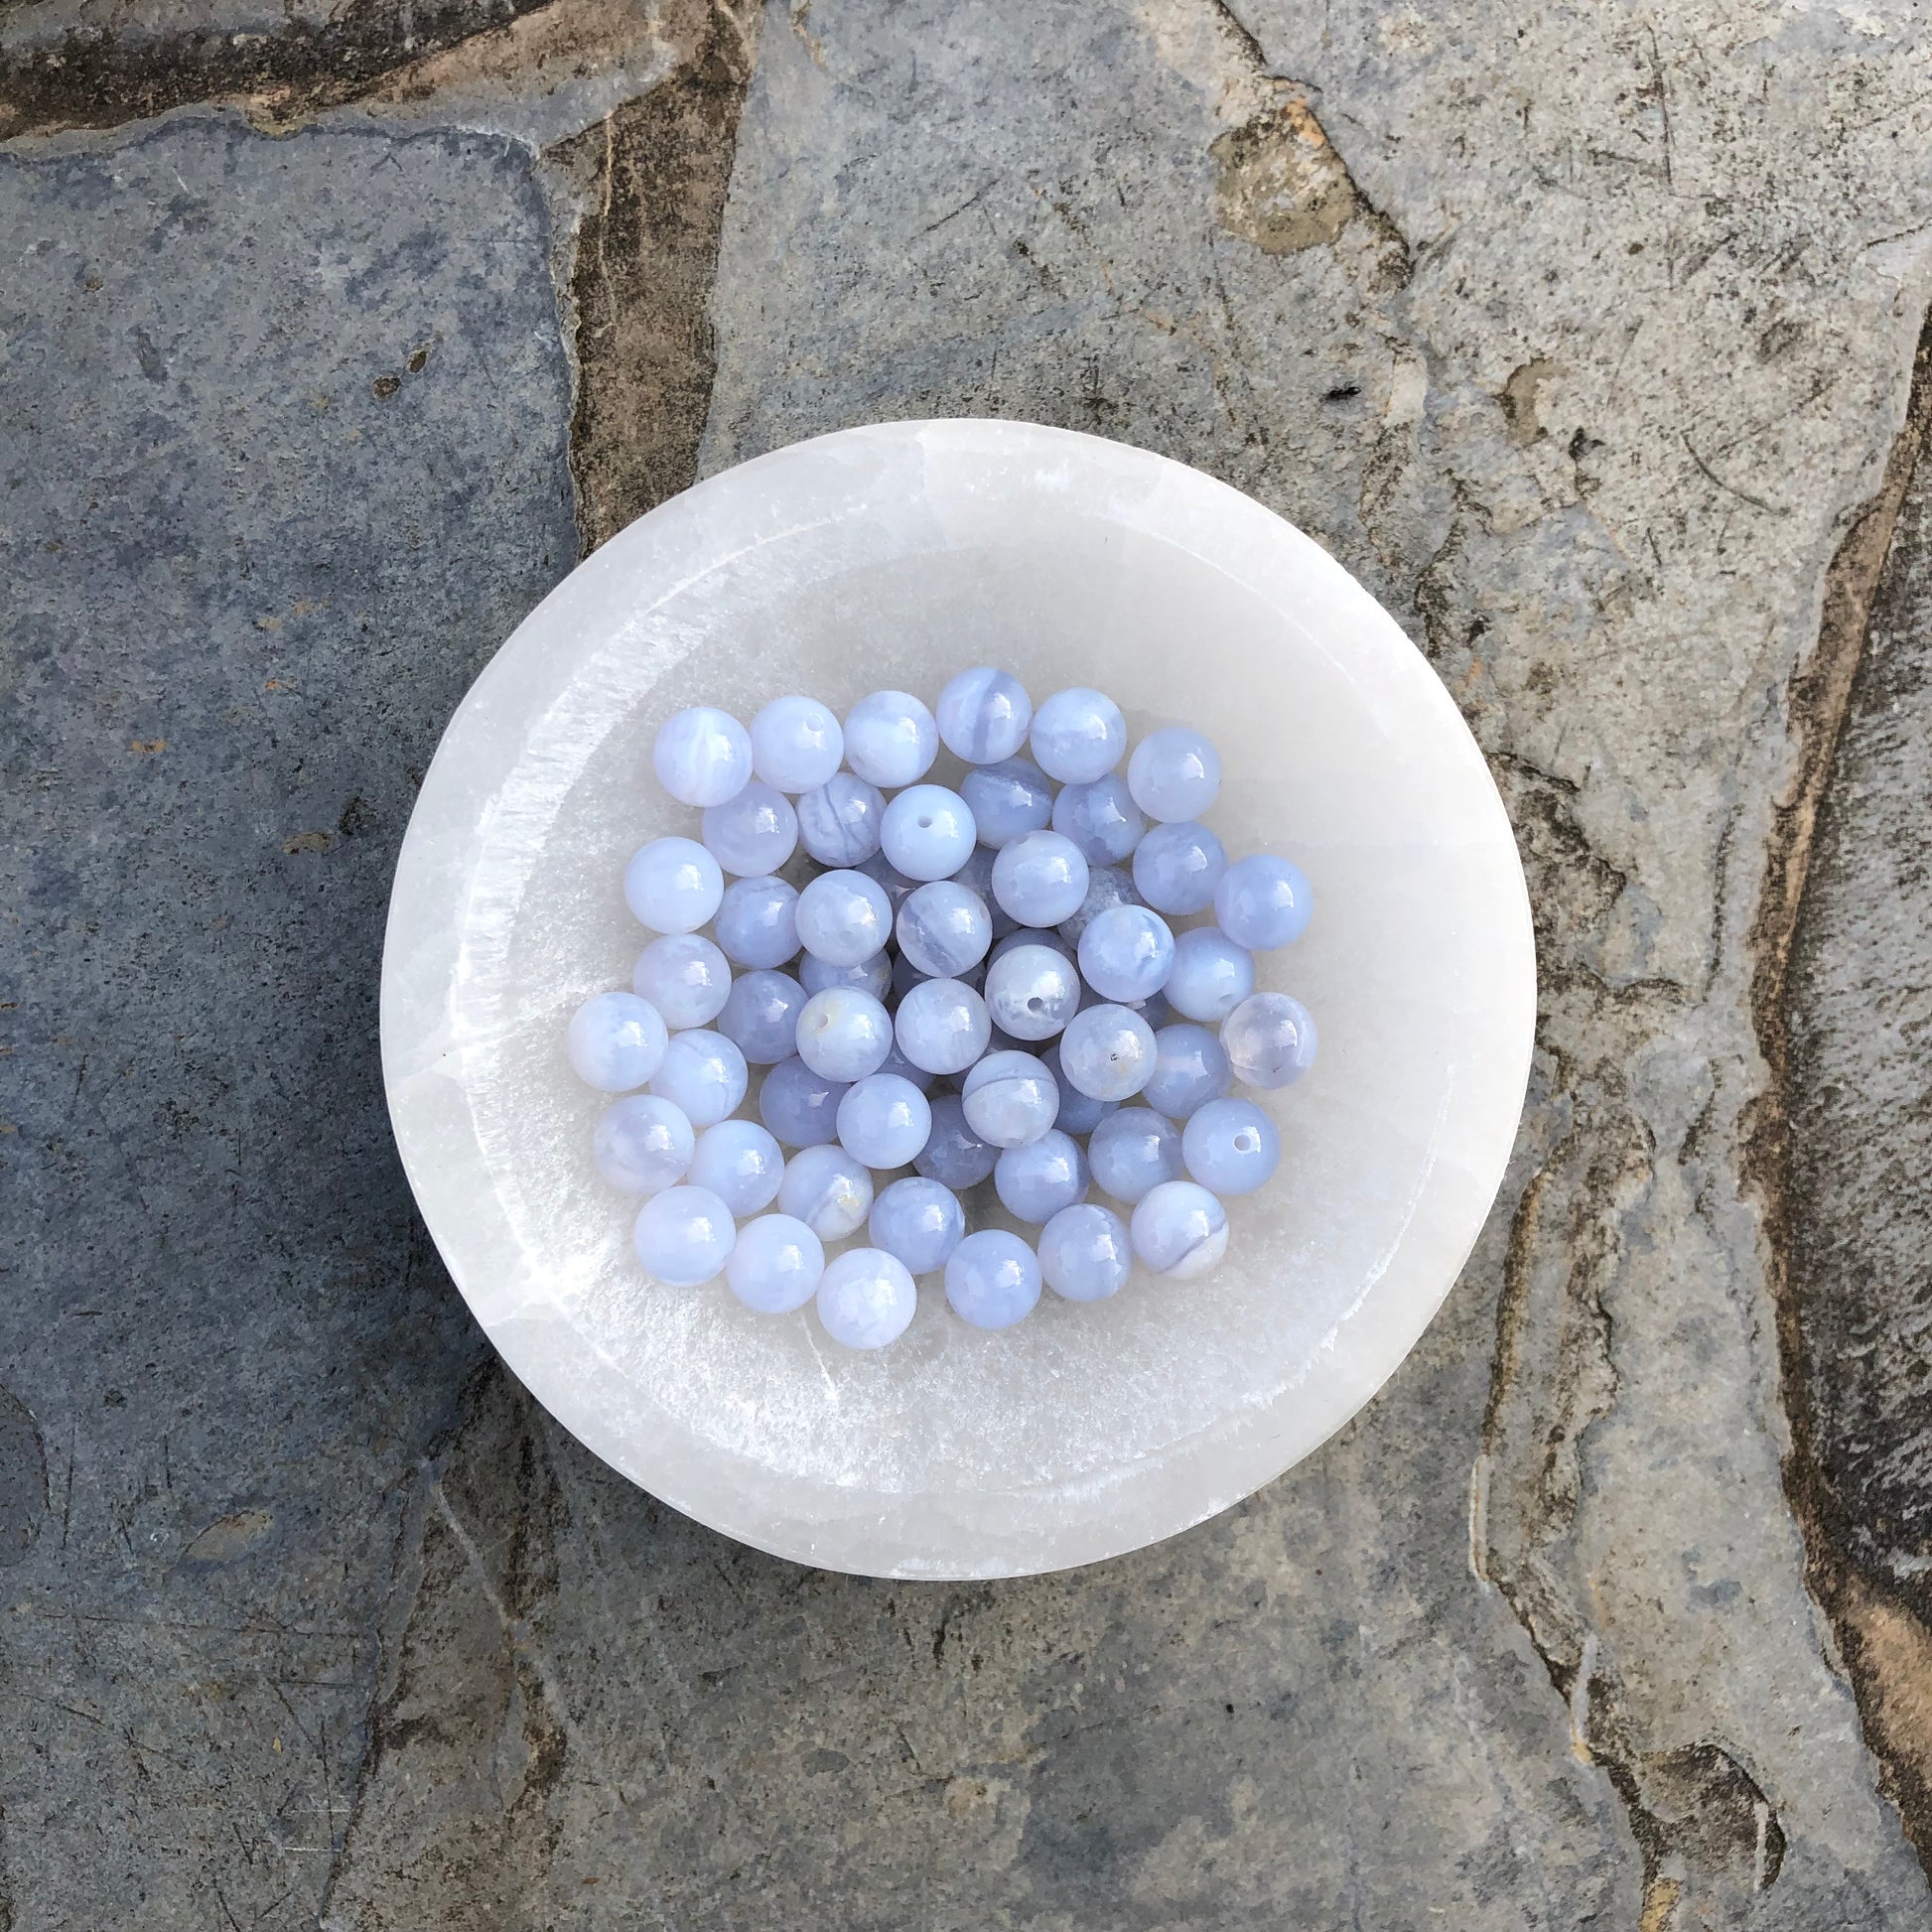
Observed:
{"x":761,"y":1016}
{"x":827,"y":1189}
{"x":982,"y":715}
{"x":1085,"y":1254}
{"x":1031,"y":991}
{"x":927,"y":831}
{"x":1080,"y":1113}
{"x":1154,"y":1010}
{"x":1108,"y":1053}
{"x":844,"y":1033}
{"x":1231,"y":1146}
{"x":1175,"y":773}
{"x":1078,"y":736}
{"x":993,"y":1279}
{"x":890,"y":739}
{"x":1263,"y":901}
{"x":702,"y":757}
{"x":642,"y":1145}
{"x":1107,"y":887}
{"x":838,"y":823}
{"x":1177,"y":866}
{"x":704,"y":1073}
{"x":1101,"y":819}
{"x":873,"y":975}
{"x":799,"y":1106}
{"x":796,"y":743}
{"x":867,"y":1299}
{"x":686,"y":977}
{"x":775,"y":1265}
{"x":976,"y":875}
{"x":684,"y":1236}
{"x":1210,"y":976}
{"x":897,"y":1063}
{"x":942,"y":1025}
{"x":884,"y":1121}
{"x":1179,"y":1229}
{"x":1134,"y":1150}
{"x":944,"y":929}
{"x":757,"y":922}
{"x":1040,"y":879}
{"x":1126,"y":954}
{"x":1268,"y":1040}
{"x":1037,"y":1180}
{"x":1191,"y":1068}
{"x":673,"y":885}
{"x":844,"y":917}
{"x":887,"y":877}
{"x":615,"y":1042}
{"x":1009,"y":1098}
{"x":918,"y":1220}
{"x":753,"y":833}
{"x":1007,"y":800}
{"x":740,"y":1161}
{"x":954,"y":1153}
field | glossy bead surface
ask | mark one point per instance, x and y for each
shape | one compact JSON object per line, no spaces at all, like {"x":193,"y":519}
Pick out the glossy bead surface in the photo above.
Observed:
{"x":954,"y":1153}
{"x":799,"y":1106}
{"x":993,"y":1279}
{"x":1175,"y":773}
{"x":757,"y":922}
{"x":927,"y":832}
{"x":1101,"y":819}
{"x":1085,"y":1254}
{"x":1107,"y":887}
{"x":1037,"y":1180}
{"x":867,"y":1299}
{"x":775,"y":1264}
{"x":615,"y":1042}
{"x":839,"y":821}
{"x":686,"y":977}
{"x":684,"y":1236}
{"x":976,"y":875}
{"x":1078,"y":736}
{"x":1177,"y":866}
{"x":740,"y":1161}
{"x":642,"y":1144}
{"x":944,"y":929}
{"x":897,"y":1063}
{"x":1134,"y":1150}
{"x":827,"y":1189}
{"x":796,"y":743}
{"x":982,"y":715}
{"x":843,"y":1034}
{"x":919,"y":1222}
{"x":1031,"y":991}
{"x":1108,"y":1053}
{"x":844,"y":917}
{"x":1040,"y":879}
{"x":942,"y":1025}
{"x":673,"y":885}
{"x":1268,"y":1040}
{"x":760,"y":1018}
{"x":702,"y":757}
{"x":884,"y":1121}
{"x":1007,"y":799}
{"x":1126,"y":954}
{"x":1009,"y":1098}
{"x":1210,"y":976}
{"x":753,"y":833}
{"x":890,"y":739}
{"x":1263,"y":901}
{"x":1180,"y":1231}
{"x":1191,"y":1068}
{"x":1080,"y":1113}
{"x":873,"y":975}
{"x":704,"y":1073}
{"x":1231,"y":1146}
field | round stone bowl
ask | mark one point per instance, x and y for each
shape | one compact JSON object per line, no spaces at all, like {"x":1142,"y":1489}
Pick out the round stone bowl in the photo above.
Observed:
{"x":893,"y":556}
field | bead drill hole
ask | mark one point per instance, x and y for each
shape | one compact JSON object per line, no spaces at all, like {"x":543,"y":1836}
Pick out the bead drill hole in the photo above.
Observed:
{"x":1246,"y":1142}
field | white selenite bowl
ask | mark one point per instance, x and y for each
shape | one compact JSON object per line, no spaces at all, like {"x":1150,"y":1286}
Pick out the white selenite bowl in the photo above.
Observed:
{"x":892,"y":557}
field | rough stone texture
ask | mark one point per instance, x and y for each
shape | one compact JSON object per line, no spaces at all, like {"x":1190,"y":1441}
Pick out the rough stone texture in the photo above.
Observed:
{"x":1585,"y":338}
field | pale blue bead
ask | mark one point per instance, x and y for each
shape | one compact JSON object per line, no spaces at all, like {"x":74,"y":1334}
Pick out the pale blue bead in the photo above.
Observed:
{"x":1009,"y":1098}
{"x":1101,"y":819}
{"x":686,"y":977}
{"x":887,"y":877}
{"x":844,"y":917}
{"x":684,"y":1236}
{"x":839,"y":822}
{"x":1212,"y":975}
{"x":799,"y":1106}
{"x":827,"y":1189}
{"x":873,"y":975}
{"x":615,"y":1042}
{"x":1006,"y":799}
{"x":1154,"y":1010}
{"x":942,"y":1025}
{"x":897,"y":1063}
{"x":982,"y":715}
{"x":702,"y":757}
{"x":1040,"y":879}
{"x":1177,"y":866}
{"x":890,"y":739}
{"x":740,"y":1161}
{"x":704,"y":1073}
{"x":993,"y":1279}
{"x":1078,"y":736}
{"x":1037,"y":1180}
{"x":776,"y":1264}
{"x":1085,"y":1254}
{"x":1031,"y":991}
{"x":944,"y":929}
{"x":757,"y":922}
{"x":673,"y":885}
{"x":753,"y":833}
{"x":1080,"y":1113}
{"x":1108,"y":1053}
{"x":1268,"y":1040}
{"x":1032,"y":935}
{"x":796,"y":743}
{"x":884,"y":1121}
{"x":1134,"y":1150}
{"x":1263,"y":901}
{"x":1127,"y":953}
{"x":919,"y":1222}
{"x":927,"y":832}
{"x":1231,"y":1146}
{"x":954,"y":1153}
{"x":844,"y":1033}
{"x":1189,"y":1070}
{"x":761,"y":1016}
{"x":642,"y":1144}
{"x":1175,"y":773}
{"x":976,"y":875}
{"x":867,"y":1299}
{"x":1179,"y":1229}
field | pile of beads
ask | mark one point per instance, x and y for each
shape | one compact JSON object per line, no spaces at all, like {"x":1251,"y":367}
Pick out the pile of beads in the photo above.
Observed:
{"x":970,"y":982}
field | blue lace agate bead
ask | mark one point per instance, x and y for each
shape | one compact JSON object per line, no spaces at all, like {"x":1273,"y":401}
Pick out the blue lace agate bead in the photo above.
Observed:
{"x":1040,"y":879}
{"x":944,"y":929}
{"x":1078,"y":736}
{"x":684,"y":1236}
{"x":615,"y":1042}
{"x":686,"y":977}
{"x":799,"y":1106}
{"x":1268,"y":1040}
{"x":953,"y":1154}
{"x":982,"y":715}
{"x":867,"y":1299}
{"x":884,"y":1121}
{"x":927,"y":832}
{"x":919,"y":1222}
{"x":1127,"y":953}
{"x":897,"y":1063}
{"x":740,"y":1161}
{"x":976,"y":875}
{"x":1108,"y":1053}
{"x":1263,"y":901}
{"x":1037,"y":1180}
{"x":827,"y":1189}
{"x":642,"y":1144}
{"x":993,"y":1279}
{"x":1101,"y":819}
{"x":839,"y":822}
{"x":942,"y":1025}
{"x":1177,"y":866}
{"x":1085,"y":1254}
{"x":775,"y":1265}
{"x":1080,"y":1113}
{"x":873,"y":975}
{"x":704,"y":1073}
{"x":843,"y":1034}
{"x":887,"y":877}
{"x":844,"y":917}
{"x":1007,"y":800}
{"x":753,"y":833}
{"x":796,"y":743}
{"x":1191,"y":1068}
{"x":1134,"y":1150}
{"x":1231,"y":1146}
{"x":1175,"y":773}
{"x":757,"y":922}
{"x":1210,"y":976}
{"x":674,"y":885}
{"x":1031,"y":991}
{"x":760,"y":1018}
{"x":1009,"y":1098}
{"x":1179,"y":1229}
{"x":890,"y":739}
{"x":702,"y":757}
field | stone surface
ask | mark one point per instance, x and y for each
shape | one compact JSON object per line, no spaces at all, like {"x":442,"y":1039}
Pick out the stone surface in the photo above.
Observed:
{"x":1582,"y":337}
